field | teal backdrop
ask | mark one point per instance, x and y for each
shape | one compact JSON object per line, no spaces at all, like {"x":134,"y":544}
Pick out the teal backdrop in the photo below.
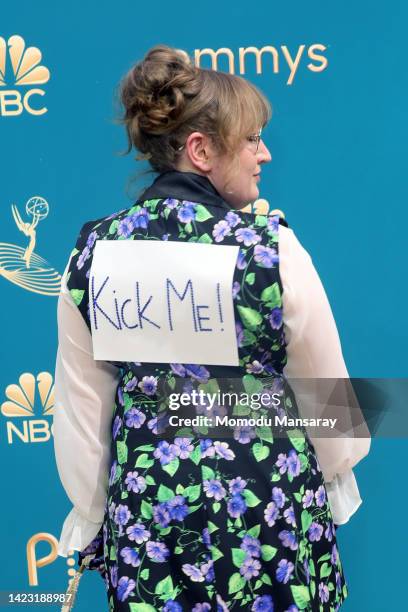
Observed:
{"x":338,"y":141}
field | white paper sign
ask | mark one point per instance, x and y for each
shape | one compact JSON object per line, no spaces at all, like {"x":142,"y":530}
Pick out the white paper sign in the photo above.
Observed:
{"x":163,"y":301}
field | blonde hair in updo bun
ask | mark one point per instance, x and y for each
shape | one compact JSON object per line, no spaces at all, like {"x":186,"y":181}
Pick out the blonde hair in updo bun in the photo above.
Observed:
{"x":165,"y":98}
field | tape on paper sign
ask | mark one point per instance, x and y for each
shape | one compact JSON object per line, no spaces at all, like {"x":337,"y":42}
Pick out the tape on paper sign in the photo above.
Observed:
{"x":163,"y":302}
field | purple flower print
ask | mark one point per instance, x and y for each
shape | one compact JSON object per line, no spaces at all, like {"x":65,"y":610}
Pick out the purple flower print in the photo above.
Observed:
{"x":158,"y":424}
{"x":177,"y":507}
{"x":282,"y":463}
{"x":247,"y":235}
{"x":201,"y":607}
{"x":120,"y":396}
{"x":250,"y":568}
{"x":265,"y":256}
{"x":307,"y":499}
{"x":161,"y":515}
{"x":273,"y":224}
{"x":86,"y":253}
{"x":284,"y":571}
{"x":137,"y":533}
{"x":315,"y":532}
{"x":206,"y":448}
{"x":323,"y":592}
{"x":170,"y":203}
{"x":206,"y":536}
{"x":244,"y":433}
{"x":165,"y":452}
{"x":288,"y":539}
{"x":237,"y":485}
{"x":91,"y":239}
{"x":193,"y":572}
{"x":135,"y":483}
{"x":334,"y":555}
{"x":329,"y":532}
{"x":130,"y":556}
{"x":236,"y":288}
{"x":178,"y":369}
{"x":275,"y":318}
{"x":183,"y":447}
{"x":125,"y":227}
{"x":241,"y":261}
{"x":236,"y":506}
{"x":320,"y":496}
{"x":293,"y":463}
{"x":213,"y":488}
{"x":131,"y":384}
{"x":172,"y":606}
{"x":278,"y":497}
{"x":117,"y":424}
{"x":263,"y":603}
{"x":148,"y":385}
{"x":271,"y":513}
{"x":125,"y":587}
{"x":289,"y":515}
{"x":141,"y":218}
{"x":255,"y":367}
{"x":157,"y":551}
{"x":221,"y":229}
{"x":251,"y":545}
{"x":122,"y":515}
{"x":232,"y":219}
{"x":222,"y":449}
{"x":197,"y":372}
{"x":134,"y":418}
{"x":186,"y":213}
{"x":114,"y":575}
{"x":207,"y":570}
{"x":239,"y":332}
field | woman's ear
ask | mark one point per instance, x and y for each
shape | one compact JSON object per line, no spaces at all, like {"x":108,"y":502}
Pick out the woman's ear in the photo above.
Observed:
{"x":199,"y":151}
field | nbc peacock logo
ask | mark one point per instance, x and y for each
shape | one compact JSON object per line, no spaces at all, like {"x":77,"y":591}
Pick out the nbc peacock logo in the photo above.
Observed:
{"x":24,"y":267}
{"x":20,"y":66}
{"x":20,"y":410}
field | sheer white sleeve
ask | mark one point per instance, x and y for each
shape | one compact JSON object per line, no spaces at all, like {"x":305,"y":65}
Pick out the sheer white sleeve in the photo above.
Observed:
{"x":314,"y":351}
{"x":84,"y":400}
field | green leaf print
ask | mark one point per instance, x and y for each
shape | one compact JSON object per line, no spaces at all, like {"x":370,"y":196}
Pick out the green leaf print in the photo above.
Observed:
{"x":236,"y":583}
{"x":113,"y":226}
{"x":268,"y":552}
{"x":264,"y":433}
{"x":207,"y":473}
{"x":146,"y":509}
{"x":249,"y":338}
{"x":266,"y":579}
{"x":122,"y":451}
{"x":250,"y":318}
{"x":205,"y":239}
{"x":215,"y":553}
{"x":307,"y":520}
{"x":77,"y":295}
{"x":271,"y":296}
{"x":216,"y":506}
{"x":313,"y":588}
{"x":144,"y":574}
{"x":172,"y":467}
{"x":250,"y":278}
{"x":143,"y":461}
{"x":250,"y":498}
{"x":164,"y":586}
{"x":261,"y":220}
{"x":202,"y":214}
{"x":112,"y":553}
{"x":152,"y":204}
{"x":178,"y":550}
{"x":192,"y":492}
{"x":297,"y":439}
{"x":252,"y":384}
{"x":254,"y":531}
{"x":196,"y":455}
{"x":325,"y":570}
{"x":164,"y":493}
{"x":145,"y":447}
{"x":301,"y":595}
{"x":141,"y":607}
{"x":238,"y":556}
{"x":212,"y":527}
{"x":312,"y":569}
{"x":260,"y":451}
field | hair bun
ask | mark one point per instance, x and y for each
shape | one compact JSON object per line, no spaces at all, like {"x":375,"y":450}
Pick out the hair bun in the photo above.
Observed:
{"x":154,"y":90}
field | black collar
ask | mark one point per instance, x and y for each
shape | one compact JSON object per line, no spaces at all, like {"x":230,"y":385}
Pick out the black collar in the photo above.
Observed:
{"x":184,"y":186}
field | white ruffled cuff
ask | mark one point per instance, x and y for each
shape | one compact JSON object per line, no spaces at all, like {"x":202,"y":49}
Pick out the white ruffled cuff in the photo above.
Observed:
{"x":77,"y":532}
{"x":344,"y":497}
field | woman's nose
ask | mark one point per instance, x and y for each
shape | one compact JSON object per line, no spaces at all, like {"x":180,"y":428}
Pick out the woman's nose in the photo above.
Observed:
{"x":264,"y":155}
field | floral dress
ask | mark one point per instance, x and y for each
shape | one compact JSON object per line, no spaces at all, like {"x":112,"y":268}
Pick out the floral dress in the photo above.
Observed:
{"x":201,"y":522}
